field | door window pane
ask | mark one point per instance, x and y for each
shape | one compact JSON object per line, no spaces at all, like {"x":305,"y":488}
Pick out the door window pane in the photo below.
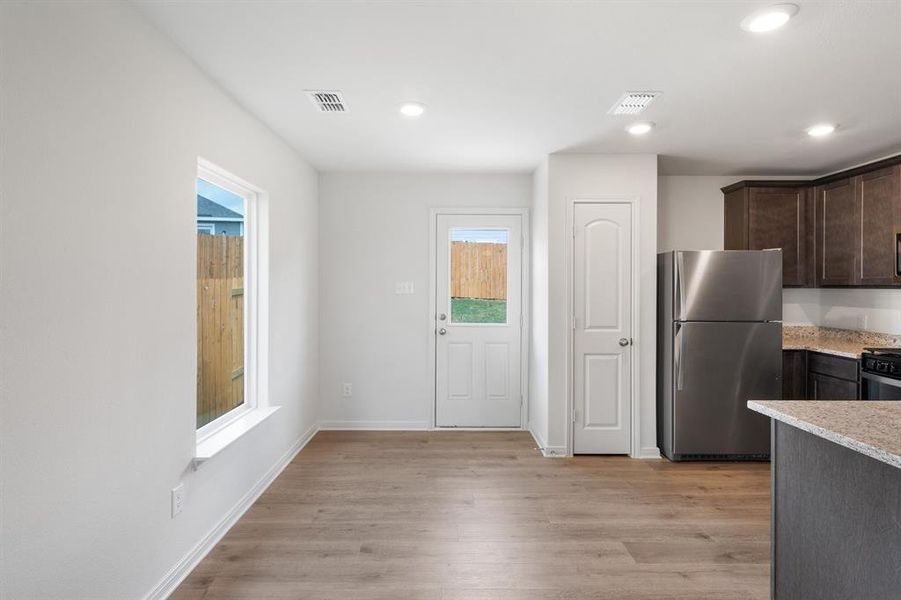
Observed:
{"x":478,"y":275}
{"x":220,"y":302}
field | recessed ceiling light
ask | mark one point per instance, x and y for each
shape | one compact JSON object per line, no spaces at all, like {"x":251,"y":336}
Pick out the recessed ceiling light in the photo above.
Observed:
{"x":412,"y":109}
{"x":640,"y":128}
{"x":769,"y":18}
{"x":820,"y":130}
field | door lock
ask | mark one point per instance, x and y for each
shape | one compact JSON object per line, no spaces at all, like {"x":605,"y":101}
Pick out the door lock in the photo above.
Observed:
{"x":625,"y":341}
{"x":442,"y":317}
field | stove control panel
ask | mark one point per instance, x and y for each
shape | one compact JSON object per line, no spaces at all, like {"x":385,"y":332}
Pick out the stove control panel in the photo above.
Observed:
{"x":877,"y":365}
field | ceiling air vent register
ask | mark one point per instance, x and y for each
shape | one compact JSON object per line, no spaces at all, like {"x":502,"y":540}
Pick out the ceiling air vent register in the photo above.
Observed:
{"x":328,"y":101}
{"x":632,"y":103}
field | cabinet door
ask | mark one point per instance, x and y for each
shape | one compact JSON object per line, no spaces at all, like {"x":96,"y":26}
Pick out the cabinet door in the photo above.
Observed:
{"x":837,"y":234}
{"x":777,"y":219}
{"x":735,"y":220}
{"x":879,"y":204}
{"x":823,"y":387}
{"x":794,"y":374}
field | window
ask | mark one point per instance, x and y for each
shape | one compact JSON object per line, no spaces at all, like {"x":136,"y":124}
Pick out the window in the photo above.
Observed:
{"x":478,"y":275}
{"x":230,"y":281}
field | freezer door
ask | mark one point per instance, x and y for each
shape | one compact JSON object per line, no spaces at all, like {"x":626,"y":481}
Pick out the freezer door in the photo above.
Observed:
{"x":717,"y":368}
{"x":732,"y":285}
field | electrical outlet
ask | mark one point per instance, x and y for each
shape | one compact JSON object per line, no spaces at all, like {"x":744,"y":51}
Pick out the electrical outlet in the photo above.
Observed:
{"x":862,"y":321}
{"x":178,"y":499}
{"x":347,"y":390}
{"x":403,"y":287}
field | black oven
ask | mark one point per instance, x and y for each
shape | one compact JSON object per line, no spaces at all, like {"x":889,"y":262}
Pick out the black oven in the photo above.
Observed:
{"x":880,"y":374}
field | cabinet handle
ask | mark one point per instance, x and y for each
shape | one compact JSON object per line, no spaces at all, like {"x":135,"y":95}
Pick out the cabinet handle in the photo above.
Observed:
{"x":898,"y":252}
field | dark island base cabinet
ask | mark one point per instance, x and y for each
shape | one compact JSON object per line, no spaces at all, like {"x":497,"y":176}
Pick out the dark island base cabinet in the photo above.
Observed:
{"x":835,"y":521}
{"x":808,"y":375}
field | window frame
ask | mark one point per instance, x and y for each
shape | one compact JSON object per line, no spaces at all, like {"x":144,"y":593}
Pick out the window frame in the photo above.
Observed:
{"x":255,"y":407}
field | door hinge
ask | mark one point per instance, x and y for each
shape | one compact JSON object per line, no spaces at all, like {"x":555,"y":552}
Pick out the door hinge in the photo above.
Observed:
{"x":522,"y":241}
{"x":575,"y":417}
{"x":573,"y":322}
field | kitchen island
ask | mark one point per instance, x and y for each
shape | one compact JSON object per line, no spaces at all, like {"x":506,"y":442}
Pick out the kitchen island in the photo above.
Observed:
{"x":836,"y":490}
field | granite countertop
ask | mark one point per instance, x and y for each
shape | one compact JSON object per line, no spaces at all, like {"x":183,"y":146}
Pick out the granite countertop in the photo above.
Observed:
{"x":872,"y":428}
{"x":849,"y":343}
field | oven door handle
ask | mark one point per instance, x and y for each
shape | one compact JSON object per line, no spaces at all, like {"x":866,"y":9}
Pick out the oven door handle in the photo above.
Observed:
{"x":881,"y":379}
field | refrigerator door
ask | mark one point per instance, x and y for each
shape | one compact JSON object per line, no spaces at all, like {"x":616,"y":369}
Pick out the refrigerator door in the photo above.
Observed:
{"x":732,"y":285}
{"x":717,"y":368}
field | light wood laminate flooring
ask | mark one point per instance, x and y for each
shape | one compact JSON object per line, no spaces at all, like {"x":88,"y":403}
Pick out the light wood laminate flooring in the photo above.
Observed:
{"x":482,"y":516}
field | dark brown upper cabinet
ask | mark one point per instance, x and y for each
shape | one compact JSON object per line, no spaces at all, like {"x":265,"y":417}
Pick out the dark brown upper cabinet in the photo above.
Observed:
{"x":761,"y":218}
{"x":836,"y":231}
{"x":837,"y":234}
{"x":857,"y":222}
{"x":879,"y":204}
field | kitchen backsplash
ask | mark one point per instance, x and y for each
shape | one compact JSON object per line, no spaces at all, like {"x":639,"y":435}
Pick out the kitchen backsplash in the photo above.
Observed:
{"x":869,"y":309}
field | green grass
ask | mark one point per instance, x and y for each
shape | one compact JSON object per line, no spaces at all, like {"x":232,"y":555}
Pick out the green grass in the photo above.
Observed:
{"x":474,"y":310}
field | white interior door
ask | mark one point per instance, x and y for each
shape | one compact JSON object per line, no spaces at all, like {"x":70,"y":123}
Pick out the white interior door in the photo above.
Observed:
{"x":602,"y":328}
{"x":478,"y":321}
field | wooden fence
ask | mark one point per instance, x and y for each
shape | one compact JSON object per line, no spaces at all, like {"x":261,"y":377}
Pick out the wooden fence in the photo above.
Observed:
{"x":220,"y":325}
{"x":478,"y":270}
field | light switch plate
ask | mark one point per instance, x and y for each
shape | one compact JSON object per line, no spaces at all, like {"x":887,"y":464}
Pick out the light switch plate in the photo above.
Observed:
{"x":403,"y":287}
{"x":347,"y":390}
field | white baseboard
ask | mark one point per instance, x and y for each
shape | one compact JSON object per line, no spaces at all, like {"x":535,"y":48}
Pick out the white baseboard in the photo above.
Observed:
{"x":547,"y":451}
{"x":554,"y":452}
{"x":539,"y":441}
{"x":184,"y":567}
{"x":649,"y":452}
{"x":374,"y":425}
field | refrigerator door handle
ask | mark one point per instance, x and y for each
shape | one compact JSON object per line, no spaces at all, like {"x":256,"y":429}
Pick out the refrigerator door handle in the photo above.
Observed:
{"x":677,"y":356}
{"x":677,"y":280}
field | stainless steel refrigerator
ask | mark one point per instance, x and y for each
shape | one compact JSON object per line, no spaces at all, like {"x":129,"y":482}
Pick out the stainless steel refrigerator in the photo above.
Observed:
{"x":719,"y":344}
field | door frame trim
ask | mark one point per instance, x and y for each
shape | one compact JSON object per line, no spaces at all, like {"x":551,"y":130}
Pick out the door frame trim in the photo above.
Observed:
{"x":569,"y":276}
{"x":525,"y":293}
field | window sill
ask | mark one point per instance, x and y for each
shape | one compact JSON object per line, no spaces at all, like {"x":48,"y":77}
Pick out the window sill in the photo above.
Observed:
{"x":215,"y":443}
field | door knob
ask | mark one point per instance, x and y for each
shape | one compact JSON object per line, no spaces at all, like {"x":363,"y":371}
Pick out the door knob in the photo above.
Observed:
{"x":624,"y":341}
{"x":442,"y":331}
{"x":442,"y":317}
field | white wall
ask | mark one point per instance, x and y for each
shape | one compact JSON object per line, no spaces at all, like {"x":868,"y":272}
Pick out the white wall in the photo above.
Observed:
{"x":691,"y":218}
{"x":103,"y":120}
{"x":690,"y":210}
{"x":873,"y":310}
{"x":598,"y":175}
{"x":374,"y":232}
{"x":800,"y":306}
{"x":538,"y":354}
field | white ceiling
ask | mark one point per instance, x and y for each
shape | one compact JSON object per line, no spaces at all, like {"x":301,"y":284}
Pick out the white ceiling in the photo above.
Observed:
{"x":509,"y":82}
